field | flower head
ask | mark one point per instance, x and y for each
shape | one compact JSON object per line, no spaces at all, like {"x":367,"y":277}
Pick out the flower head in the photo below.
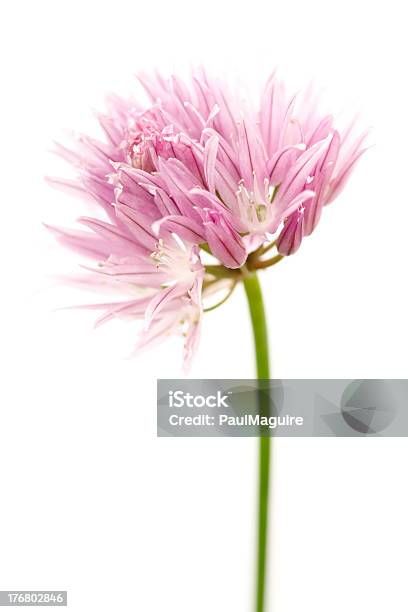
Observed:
{"x":193,"y":189}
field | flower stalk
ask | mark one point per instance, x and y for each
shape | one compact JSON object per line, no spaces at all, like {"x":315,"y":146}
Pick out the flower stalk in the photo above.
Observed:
{"x":267,"y":263}
{"x":258,"y":319}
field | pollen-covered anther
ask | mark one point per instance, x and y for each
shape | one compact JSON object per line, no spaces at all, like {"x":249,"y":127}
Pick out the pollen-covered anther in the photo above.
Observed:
{"x":157,"y":256}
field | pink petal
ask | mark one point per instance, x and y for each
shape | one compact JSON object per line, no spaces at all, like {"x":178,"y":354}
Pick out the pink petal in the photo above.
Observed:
{"x":291,"y":235}
{"x":187,"y":229}
{"x":225,"y":243}
{"x":139,"y":225}
{"x":210,"y":156}
{"x":161,"y":300}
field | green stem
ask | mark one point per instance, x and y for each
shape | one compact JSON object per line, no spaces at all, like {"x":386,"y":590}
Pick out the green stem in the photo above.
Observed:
{"x":258,"y":265}
{"x":257,"y":312}
{"x":224,"y":299}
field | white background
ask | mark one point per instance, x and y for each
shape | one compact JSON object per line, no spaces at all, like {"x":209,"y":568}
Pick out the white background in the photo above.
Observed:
{"x":91,"y":501}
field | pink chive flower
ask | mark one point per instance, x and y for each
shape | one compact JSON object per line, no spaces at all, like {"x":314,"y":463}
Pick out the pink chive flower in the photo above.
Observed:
{"x":192,"y":189}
